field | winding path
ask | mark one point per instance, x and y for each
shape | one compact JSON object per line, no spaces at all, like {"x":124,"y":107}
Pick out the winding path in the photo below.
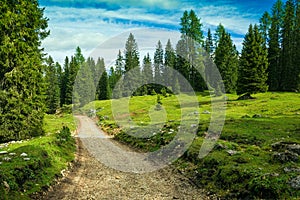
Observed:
{"x":91,"y":179}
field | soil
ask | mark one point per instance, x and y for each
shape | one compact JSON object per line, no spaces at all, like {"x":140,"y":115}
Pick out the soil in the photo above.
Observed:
{"x":91,"y":179}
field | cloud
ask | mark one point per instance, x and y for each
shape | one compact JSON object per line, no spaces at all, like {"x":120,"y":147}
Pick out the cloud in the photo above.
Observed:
{"x":89,"y":23}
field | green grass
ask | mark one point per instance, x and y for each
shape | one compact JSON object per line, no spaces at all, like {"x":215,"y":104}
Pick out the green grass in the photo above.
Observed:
{"x":48,"y":156}
{"x":251,"y":127}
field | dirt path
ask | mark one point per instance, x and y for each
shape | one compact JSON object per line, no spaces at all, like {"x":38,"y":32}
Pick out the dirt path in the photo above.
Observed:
{"x":91,"y":179}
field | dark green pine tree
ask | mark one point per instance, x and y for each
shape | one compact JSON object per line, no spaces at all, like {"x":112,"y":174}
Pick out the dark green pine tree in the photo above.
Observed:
{"x":84,"y":88}
{"x":297,"y":46}
{"x":22,"y":26}
{"x":226,"y":60}
{"x":253,"y":64}
{"x":52,"y":86}
{"x":218,"y":34}
{"x":158,"y":66}
{"x":264,"y":26}
{"x":274,"y":50}
{"x":288,"y":80}
{"x":64,"y":82}
{"x":189,"y":50}
{"x":99,"y":69}
{"x":92,"y":66}
{"x":209,"y":44}
{"x":147,"y":75}
{"x":131,"y":77}
{"x":103,"y":90}
{"x":169,"y":63}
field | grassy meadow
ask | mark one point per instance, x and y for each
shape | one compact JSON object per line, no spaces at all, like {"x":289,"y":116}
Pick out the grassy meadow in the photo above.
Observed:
{"x":47,"y":156}
{"x":243,"y":163}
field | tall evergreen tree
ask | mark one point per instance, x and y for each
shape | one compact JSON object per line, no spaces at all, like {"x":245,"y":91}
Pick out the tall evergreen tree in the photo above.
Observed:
{"x":253,"y":64}
{"x":297,"y":46}
{"x":218,"y":34}
{"x":147,"y":75}
{"x":132,"y":77}
{"x":169,"y":63}
{"x":188,"y":49}
{"x":103,"y":90}
{"x":22,"y":26}
{"x":264,"y":26}
{"x":274,"y":49}
{"x":209,"y":45}
{"x":65,"y":82}
{"x":52,"y":86}
{"x":158,"y":65}
{"x":288,"y":81}
{"x":226,"y":60}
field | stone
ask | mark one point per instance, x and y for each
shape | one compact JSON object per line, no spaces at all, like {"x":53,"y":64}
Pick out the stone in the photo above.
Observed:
{"x":3,"y":152}
{"x":295,"y":182}
{"x":206,"y":112}
{"x":294,"y":148}
{"x":23,"y":154}
{"x":231,"y":152}
{"x":26,"y":159}
{"x":286,"y":156}
{"x":287,"y":169}
{"x":12,"y":154}
{"x":257,"y":116}
{"x":6,"y":185}
{"x":6,"y":159}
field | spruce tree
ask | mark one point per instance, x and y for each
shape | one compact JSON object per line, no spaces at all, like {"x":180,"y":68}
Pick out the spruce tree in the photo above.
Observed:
{"x":274,"y":50}
{"x":158,"y":65}
{"x":132,"y":77}
{"x":253,"y":64}
{"x":169,"y":63}
{"x":264,"y":26}
{"x":297,"y":46}
{"x":52,"y":86}
{"x":226,"y":60}
{"x":64,"y":82}
{"x":209,"y":45}
{"x":288,"y":80}
{"x":103,"y":90}
{"x":22,"y":26}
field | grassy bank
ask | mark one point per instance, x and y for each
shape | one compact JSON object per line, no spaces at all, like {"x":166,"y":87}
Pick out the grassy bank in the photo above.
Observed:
{"x":32,"y":165}
{"x":251,"y":158}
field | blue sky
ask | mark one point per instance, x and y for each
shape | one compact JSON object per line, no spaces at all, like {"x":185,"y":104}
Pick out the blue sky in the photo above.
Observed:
{"x":91,"y":23}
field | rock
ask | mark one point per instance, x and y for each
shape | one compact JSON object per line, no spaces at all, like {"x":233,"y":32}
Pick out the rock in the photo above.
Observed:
{"x":6,"y":185}
{"x":6,"y":159}
{"x":12,"y":154}
{"x":286,"y":156}
{"x":1,"y":147}
{"x":295,"y":182}
{"x":26,"y":159}
{"x":294,"y":148}
{"x":257,"y":116}
{"x":196,"y":113}
{"x":0,"y":163}
{"x":231,"y":152}
{"x":23,"y":154}
{"x":3,"y":152}
{"x":245,"y":97}
{"x":286,"y":169}
{"x":205,"y":112}
{"x":246,"y":116}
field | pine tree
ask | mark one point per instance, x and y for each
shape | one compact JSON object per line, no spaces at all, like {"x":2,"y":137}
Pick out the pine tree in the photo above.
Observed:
{"x":188,"y":50}
{"x":226,"y":61}
{"x":169,"y":63}
{"x":147,"y":75}
{"x":84,"y":88}
{"x":209,"y":45}
{"x":52,"y":86}
{"x":264,"y":26}
{"x":158,"y":66}
{"x":132,"y":77}
{"x":297,"y":46}
{"x":103,"y":91}
{"x":253,"y":64}
{"x":274,"y":49}
{"x":22,"y":26}
{"x":288,"y":81}
{"x":218,"y":34}
{"x":64,"y":82}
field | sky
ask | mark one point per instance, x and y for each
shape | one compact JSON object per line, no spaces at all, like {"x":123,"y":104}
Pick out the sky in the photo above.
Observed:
{"x":100,"y":27}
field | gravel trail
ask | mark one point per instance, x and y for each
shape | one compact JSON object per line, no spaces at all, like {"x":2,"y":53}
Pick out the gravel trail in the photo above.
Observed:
{"x":91,"y":179}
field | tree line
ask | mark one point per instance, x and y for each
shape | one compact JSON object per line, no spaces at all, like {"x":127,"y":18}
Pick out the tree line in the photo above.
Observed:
{"x":31,"y":84}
